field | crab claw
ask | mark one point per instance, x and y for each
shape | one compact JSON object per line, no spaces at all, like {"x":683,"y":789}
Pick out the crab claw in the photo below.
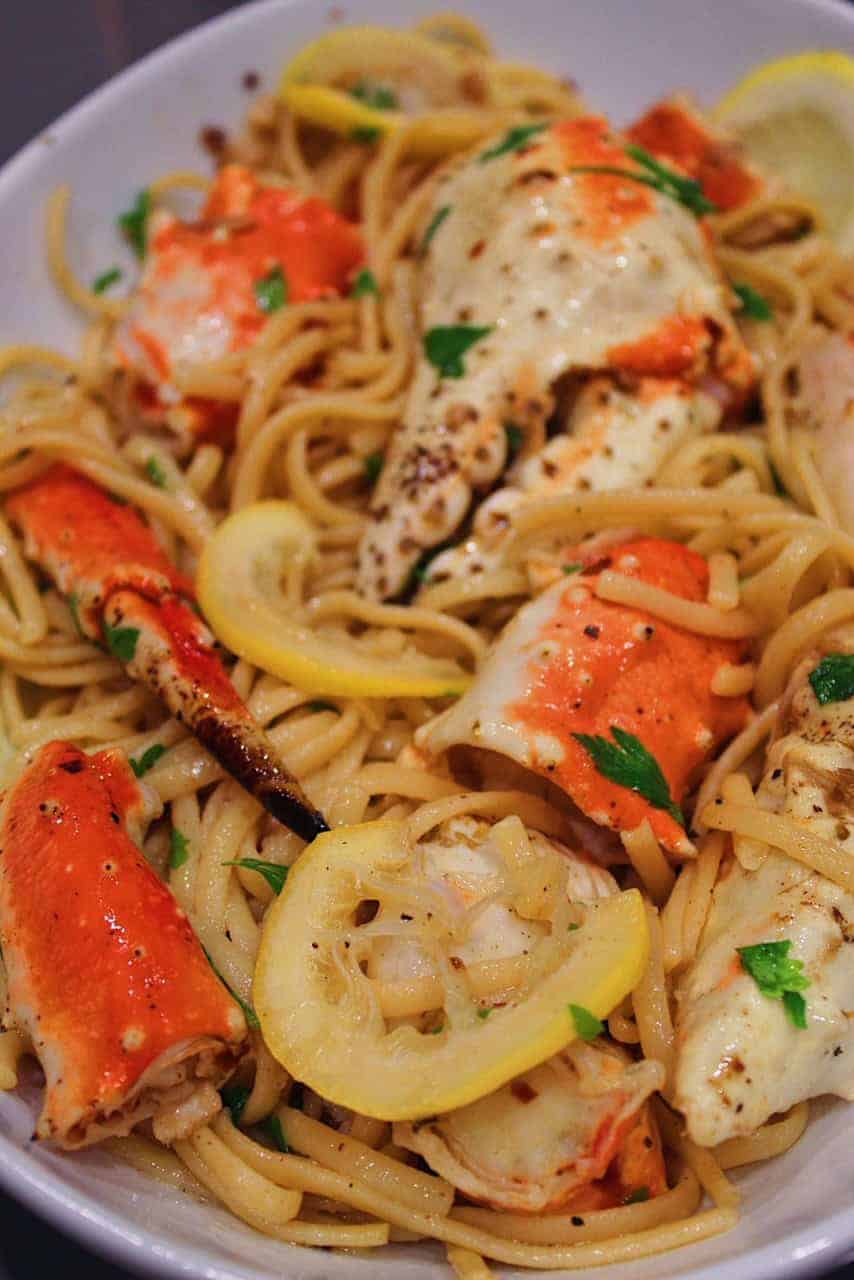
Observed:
{"x":106,"y":976}
{"x":125,"y":593}
{"x":572,"y":665}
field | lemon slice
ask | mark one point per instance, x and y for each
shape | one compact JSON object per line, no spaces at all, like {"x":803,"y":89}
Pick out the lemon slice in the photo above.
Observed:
{"x":319,"y":1023}
{"x":796,"y":118}
{"x":239,"y":589}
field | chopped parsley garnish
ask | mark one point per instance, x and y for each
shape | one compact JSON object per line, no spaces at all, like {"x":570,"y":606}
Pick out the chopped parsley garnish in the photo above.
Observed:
{"x":373,"y":465}
{"x":420,"y":572}
{"x":515,"y":439}
{"x":638,"y":1196}
{"x":778,"y":977}
{"x":276,"y":1134}
{"x":753,"y":304}
{"x":74,"y":607}
{"x":483,"y":1014}
{"x":106,"y":280}
{"x":121,"y":641}
{"x":271,"y":291}
{"x":235,"y":1097}
{"x":833,"y":678}
{"x":686,"y":191}
{"x":147,"y":760}
{"x":134,"y":223}
{"x":377,"y":96}
{"x":515,"y":139}
{"x":179,"y":849}
{"x":587,"y":1024}
{"x":366,"y":135}
{"x":155,"y":473}
{"x":273,"y":872}
{"x":446,"y":345}
{"x":248,"y":1012}
{"x":627,"y":762}
{"x":365,"y":285}
{"x":435,"y":223}
{"x":571,"y":928}
{"x":575,"y":567}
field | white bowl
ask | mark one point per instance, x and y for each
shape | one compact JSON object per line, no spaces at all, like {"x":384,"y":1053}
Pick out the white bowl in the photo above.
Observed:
{"x":799,"y":1210}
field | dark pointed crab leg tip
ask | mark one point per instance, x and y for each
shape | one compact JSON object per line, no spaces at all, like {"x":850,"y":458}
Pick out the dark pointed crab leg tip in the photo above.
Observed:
{"x":295,"y":814}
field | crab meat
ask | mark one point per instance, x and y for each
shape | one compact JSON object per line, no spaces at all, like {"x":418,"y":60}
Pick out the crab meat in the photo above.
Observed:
{"x":572,"y":1133}
{"x":826,"y":376}
{"x":106,"y":977}
{"x":739,"y":1057}
{"x":570,"y":663}
{"x":566,"y":272}
{"x":201,"y":296}
{"x":124,"y":592}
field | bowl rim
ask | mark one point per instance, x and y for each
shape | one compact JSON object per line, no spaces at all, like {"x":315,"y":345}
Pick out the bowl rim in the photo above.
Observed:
{"x":42,"y":1189}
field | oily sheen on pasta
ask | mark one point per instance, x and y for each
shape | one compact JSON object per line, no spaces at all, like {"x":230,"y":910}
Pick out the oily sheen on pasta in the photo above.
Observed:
{"x":463,"y":485}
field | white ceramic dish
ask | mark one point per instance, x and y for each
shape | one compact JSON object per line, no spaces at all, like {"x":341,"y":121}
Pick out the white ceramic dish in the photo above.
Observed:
{"x":799,"y":1211}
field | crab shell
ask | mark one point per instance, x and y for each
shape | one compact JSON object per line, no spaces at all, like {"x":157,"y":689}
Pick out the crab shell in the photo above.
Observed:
{"x":106,"y":976}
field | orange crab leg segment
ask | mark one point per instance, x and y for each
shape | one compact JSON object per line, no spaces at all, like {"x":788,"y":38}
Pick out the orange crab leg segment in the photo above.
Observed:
{"x":105,"y":973}
{"x":126,"y":594}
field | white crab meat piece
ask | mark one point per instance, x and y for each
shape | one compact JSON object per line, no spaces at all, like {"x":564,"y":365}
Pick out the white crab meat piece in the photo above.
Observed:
{"x":538,"y":1141}
{"x":826,"y":373}
{"x":740,"y":1057}
{"x":555,"y":270}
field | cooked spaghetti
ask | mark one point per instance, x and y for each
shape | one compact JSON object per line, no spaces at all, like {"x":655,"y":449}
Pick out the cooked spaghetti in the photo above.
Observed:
{"x":418,"y":504}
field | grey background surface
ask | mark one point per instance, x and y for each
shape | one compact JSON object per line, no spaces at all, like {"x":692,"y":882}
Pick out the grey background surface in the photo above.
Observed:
{"x":52,"y":53}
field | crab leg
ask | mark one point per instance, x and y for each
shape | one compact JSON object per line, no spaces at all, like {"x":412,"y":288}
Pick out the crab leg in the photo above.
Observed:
{"x":106,"y":976}
{"x":127,"y":595}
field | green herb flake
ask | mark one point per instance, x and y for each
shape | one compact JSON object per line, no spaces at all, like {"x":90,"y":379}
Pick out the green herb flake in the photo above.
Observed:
{"x":74,"y":608}
{"x":271,"y":291}
{"x":587,"y":1024}
{"x":377,"y":96}
{"x":686,"y":191}
{"x":515,"y":439}
{"x":639,"y":1196}
{"x":571,"y":928}
{"x":276,"y":1134}
{"x":627,"y":762}
{"x":778,"y":977}
{"x":320,"y":705}
{"x":435,"y":223}
{"x":373,"y":465}
{"x":121,"y":641}
{"x":248,"y":1012}
{"x":365,"y":285}
{"x":134,"y":223}
{"x":515,"y":139}
{"x":568,"y":569}
{"x":106,"y":280}
{"x":779,"y":488}
{"x":833,"y":678}
{"x":147,"y":760}
{"x":753,"y":304}
{"x":446,"y":345}
{"x":235,"y":1097}
{"x":483,"y":1014}
{"x":434,"y":1031}
{"x":179,"y":849}
{"x":273,"y":872}
{"x":155,"y":473}
{"x":367,"y":136}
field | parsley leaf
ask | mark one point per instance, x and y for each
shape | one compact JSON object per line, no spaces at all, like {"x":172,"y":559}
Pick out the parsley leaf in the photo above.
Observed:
{"x":155,"y":473}
{"x":638,"y":1196}
{"x":121,"y":641}
{"x":248,"y":1012}
{"x":235,"y":1097}
{"x":435,"y":223}
{"x":753,"y":304}
{"x":271,"y":291}
{"x":134,"y":223}
{"x":179,"y":849}
{"x":778,"y":977}
{"x":515,"y":439}
{"x":833,"y":678}
{"x":373,"y":465}
{"x":514,"y":140}
{"x":587,"y":1024}
{"x":106,"y":279}
{"x":686,"y":191}
{"x":147,"y":760}
{"x":276,"y":1134}
{"x":446,"y":345}
{"x":74,"y":606}
{"x":378,"y":96}
{"x":483,"y":1014}
{"x":273,"y":872}
{"x":366,"y":135}
{"x":574,"y":567}
{"x":627,"y":762}
{"x":365,"y":285}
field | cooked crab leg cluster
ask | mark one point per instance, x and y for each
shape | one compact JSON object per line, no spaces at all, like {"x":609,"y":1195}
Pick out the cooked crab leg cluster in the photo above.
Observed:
{"x":106,"y":977}
{"x":544,"y":262}
{"x":127,"y":595}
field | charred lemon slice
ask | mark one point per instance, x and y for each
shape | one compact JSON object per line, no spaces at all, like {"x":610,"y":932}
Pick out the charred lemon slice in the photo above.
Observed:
{"x":324,"y":1020}
{"x":239,"y":584}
